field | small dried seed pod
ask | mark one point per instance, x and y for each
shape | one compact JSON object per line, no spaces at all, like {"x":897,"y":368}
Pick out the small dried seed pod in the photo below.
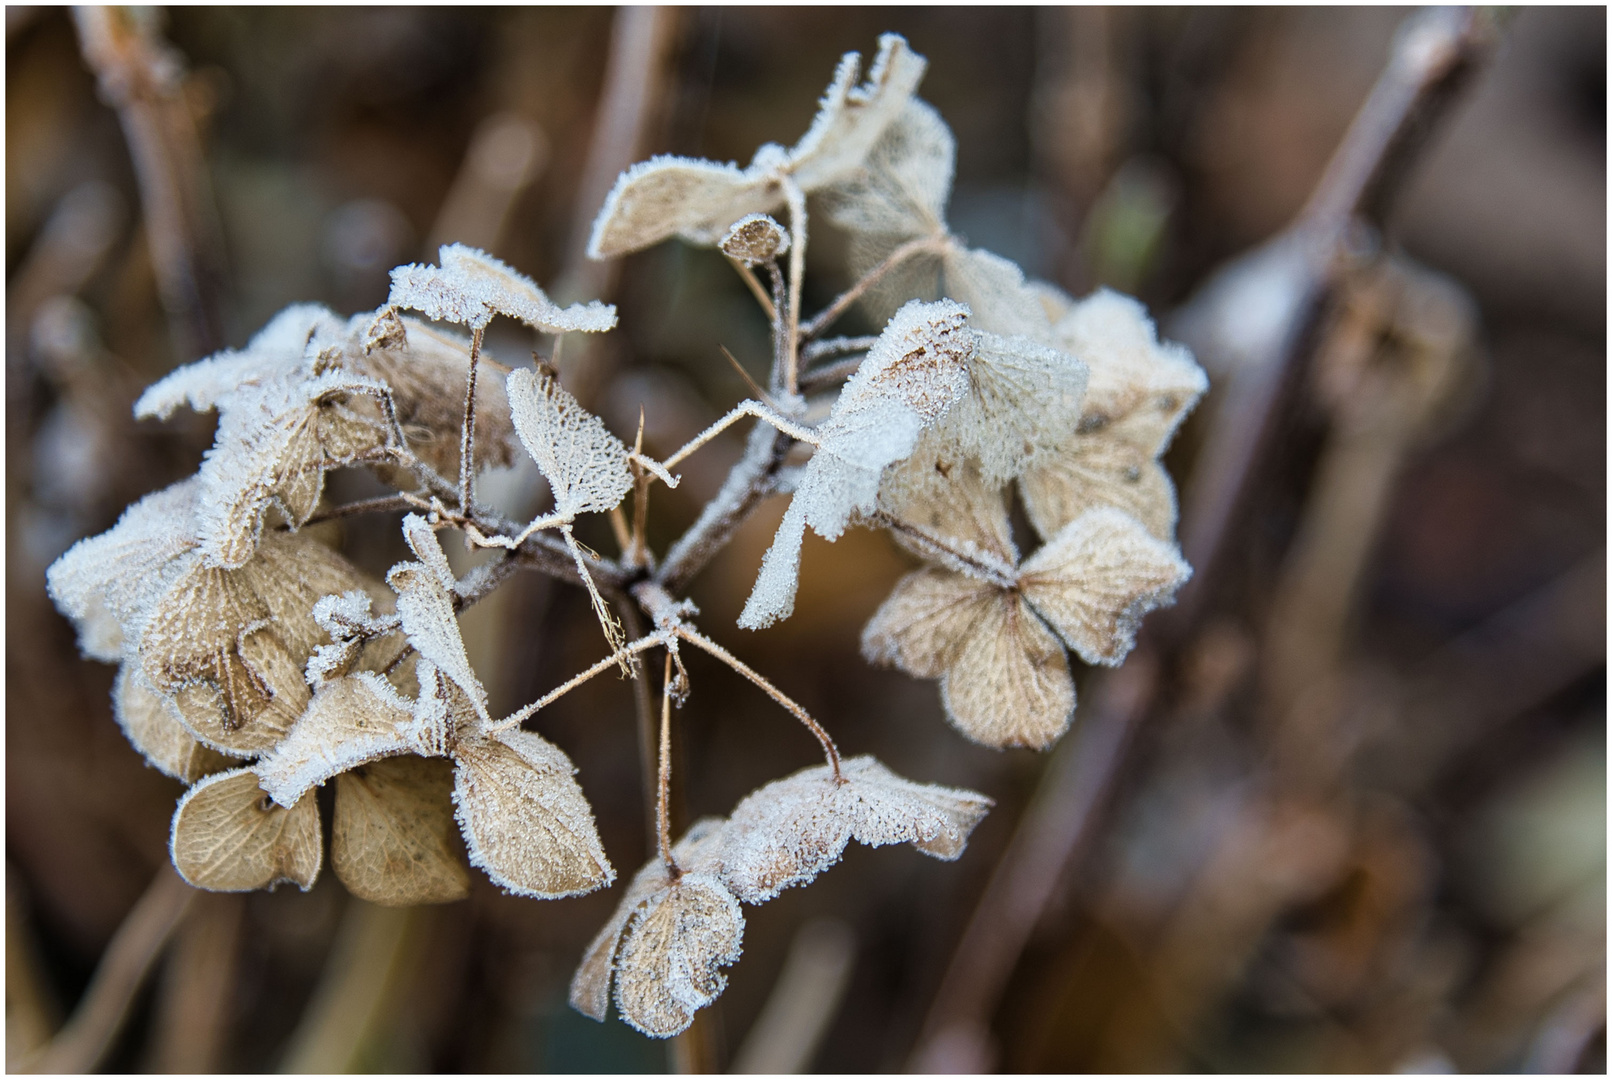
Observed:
{"x":755,"y":239}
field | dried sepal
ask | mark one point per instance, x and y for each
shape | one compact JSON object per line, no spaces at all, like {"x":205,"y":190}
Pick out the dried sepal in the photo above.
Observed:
{"x":585,"y":465}
{"x":1010,"y":683}
{"x":1097,"y":577}
{"x":149,"y":723}
{"x":229,"y":836}
{"x":425,"y":607}
{"x":944,"y":497}
{"x":670,"y":955}
{"x":914,"y":373}
{"x":1139,"y":391}
{"x":391,"y":838}
{"x":924,"y":622}
{"x":470,"y":287}
{"x":901,"y":188}
{"x":107,"y":584}
{"x":348,"y":722}
{"x":524,"y":817}
{"x":697,"y":200}
{"x":787,"y":832}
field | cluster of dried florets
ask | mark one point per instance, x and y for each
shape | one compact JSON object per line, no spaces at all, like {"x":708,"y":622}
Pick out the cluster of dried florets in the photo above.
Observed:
{"x":258,"y":664}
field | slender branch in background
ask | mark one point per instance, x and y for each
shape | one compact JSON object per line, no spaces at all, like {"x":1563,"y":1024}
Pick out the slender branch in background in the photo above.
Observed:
{"x":827,"y":317}
{"x":81,"y":1045}
{"x":1435,"y":52}
{"x":753,"y":283}
{"x":797,"y":275}
{"x":644,"y":709}
{"x":381,"y":504}
{"x":193,"y":1013}
{"x":142,"y":76}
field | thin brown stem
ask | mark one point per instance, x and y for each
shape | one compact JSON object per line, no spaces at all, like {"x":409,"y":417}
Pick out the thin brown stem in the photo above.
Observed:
{"x":780,"y":343}
{"x":832,"y":752}
{"x":467,"y":440}
{"x":826,"y":318}
{"x":756,"y":288}
{"x":797,"y":273}
{"x":644,"y":708}
{"x":750,"y":481}
{"x":663,"y":790}
{"x":383,"y":504}
{"x":631,"y":649}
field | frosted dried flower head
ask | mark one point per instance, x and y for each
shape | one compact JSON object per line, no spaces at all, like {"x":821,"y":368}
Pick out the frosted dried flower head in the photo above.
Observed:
{"x":994,"y":630}
{"x":229,"y":836}
{"x":697,"y":200}
{"x":755,"y":239}
{"x":1139,"y":392}
{"x":470,"y":287}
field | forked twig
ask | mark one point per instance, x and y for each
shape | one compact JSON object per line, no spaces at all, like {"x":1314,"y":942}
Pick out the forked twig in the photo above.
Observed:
{"x":737,"y":413}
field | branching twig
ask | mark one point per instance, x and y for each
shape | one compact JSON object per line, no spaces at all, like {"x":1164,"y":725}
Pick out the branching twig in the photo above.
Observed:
{"x":631,"y":649}
{"x":825,"y":318}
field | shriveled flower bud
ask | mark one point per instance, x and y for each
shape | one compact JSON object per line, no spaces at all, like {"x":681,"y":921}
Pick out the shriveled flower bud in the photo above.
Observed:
{"x":755,"y":239}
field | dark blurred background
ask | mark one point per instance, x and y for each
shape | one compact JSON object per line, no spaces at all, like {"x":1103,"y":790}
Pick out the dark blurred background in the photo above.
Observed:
{"x":1366,"y":831}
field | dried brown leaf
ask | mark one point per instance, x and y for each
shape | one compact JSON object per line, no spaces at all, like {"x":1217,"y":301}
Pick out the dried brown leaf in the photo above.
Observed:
{"x":229,"y":836}
{"x":391,"y":839}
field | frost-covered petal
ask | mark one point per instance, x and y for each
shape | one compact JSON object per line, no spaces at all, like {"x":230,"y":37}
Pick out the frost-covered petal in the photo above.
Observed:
{"x":151,"y":726}
{"x":1096,"y":470}
{"x":470,"y":287}
{"x":1097,"y":577}
{"x":667,"y":967}
{"x":1010,"y":683}
{"x":426,"y":609}
{"x":851,"y":118}
{"x":274,"y":352}
{"x":586,"y":466}
{"x":107,"y":584}
{"x":891,"y":809}
{"x":670,"y":196}
{"x":902,"y":187}
{"x":926,"y":620}
{"x":349,"y":721}
{"x":945,"y":498}
{"x":229,"y":836}
{"x":391,"y":840}
{"x":525,"y":819}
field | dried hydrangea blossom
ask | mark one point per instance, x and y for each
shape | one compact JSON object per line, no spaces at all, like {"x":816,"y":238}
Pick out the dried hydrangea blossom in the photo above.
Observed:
{"x":229,"y":836}
{"x":1139,"y":392}
{"x":994,"y":630}
{"x":915,"y":372}
{"x":698,"y":200}
{"x":674,"y":928}
{"x":151,"y":726}
{"x":470,"y":287}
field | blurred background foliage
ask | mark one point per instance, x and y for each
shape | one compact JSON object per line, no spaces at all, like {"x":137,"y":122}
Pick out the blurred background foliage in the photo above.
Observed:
{"x":1366,"y":831}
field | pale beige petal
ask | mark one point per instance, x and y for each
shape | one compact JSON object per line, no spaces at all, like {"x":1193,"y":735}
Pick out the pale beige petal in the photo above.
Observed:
{"x":391,"y":840}
{"x":675,"y":196}
{"x":150,"y":724}
{"x":1010,"y":684}
{"x":668,"y":964}
{"x":925,"y":621}
{"x":944,"y":496}
{"x":1099,"y":469}
{"x":585,"y":465}
{"x":1097,"y":577}
{"x":891,"y":809}
{"x":525,"y":819}
{"x":350,"y":720}
{"x":229,"y":836}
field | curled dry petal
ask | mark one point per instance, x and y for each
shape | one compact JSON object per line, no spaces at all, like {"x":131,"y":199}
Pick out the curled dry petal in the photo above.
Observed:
{"x":391,"y":840}
{"x":1097,"y":577}
{"x":667,"y":968}
{"x":585,"y":465}
{"x":149,"y":722}
{"x":350,"y":721}
{"x":525,"y":819}
{"x":1140,"y":389}
{"x":229,"y":836}
{"x":426,"y":609}
{"x":470,"y":287}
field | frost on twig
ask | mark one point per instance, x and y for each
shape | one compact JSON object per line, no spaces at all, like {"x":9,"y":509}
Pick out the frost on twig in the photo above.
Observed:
{"x":994,"y":630}
{"x":915,"y":372}
{"x":1139,"y":392}
{"x":470,"y":287}
{"x":698,"y":200}
{"x":673,"y":930}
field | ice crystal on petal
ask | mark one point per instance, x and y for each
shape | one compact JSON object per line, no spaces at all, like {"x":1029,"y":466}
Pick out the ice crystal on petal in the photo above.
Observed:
{"x":229,"y":836}
{"x":697,"y":200}
{"x":391,"y":837}
{"x":349,"y":721}
{"x":150,"y":725}
{"x":525,"y":819}
{"x":1139,"y":392}
{"x":914,"y":373}
{"x":470,"y":287}
{"x":586,"y":466}
{"x":1097,"y":577}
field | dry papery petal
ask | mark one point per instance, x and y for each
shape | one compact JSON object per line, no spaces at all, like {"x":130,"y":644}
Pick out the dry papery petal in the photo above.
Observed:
{"x":1097,"y":577}
{"x":275,"y":352}
{"x":789,"y":831}
{"x":524,"y":817}
{"x":426,"y":369}
{"x":391,"y":839}
{"x":1009,"y":684}
{"x":425,"y":606}
{"x":912,"y":375}
{"x":1140,"y":389}
{"x":667,"y":968}
{"x":230,"y":646}
{"x":945,"y":498}
{"x":585,"y":465}
{"x":229,"y":836}
{"x":106,"y":584}
{"x":470,"y":287}
{"x":698,"y":200}
{"x":150,"y":725}
{"x":900,"y":191}
{"x":923,"y":624}
{"x":590,"y":986}
{"x":350,"y":721}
